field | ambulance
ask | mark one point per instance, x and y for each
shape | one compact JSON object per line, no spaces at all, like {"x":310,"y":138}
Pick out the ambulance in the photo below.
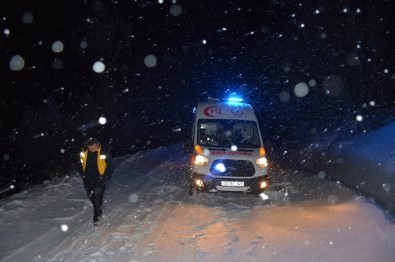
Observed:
{"x":228,"y":153}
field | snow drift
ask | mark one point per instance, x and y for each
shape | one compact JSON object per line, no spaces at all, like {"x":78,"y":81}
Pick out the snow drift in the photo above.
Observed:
{"x":367,"y":164}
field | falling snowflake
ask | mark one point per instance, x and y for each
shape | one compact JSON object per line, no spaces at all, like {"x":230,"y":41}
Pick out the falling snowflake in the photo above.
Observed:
{"x":133,"y":198}
{"x":150,"y":60}
{"x":64,"y":228}
{"x":322,"y":174}
{"x":27,"y":18}
{"x":359,"y":118}
{"x":386,"y":187}
{"x":17,"y":63}
{"x":353,"y":59}
{"x":57,"y":47}
{"x":175,"y":10}
{"x":38,"y":135}
{"x":284,"y":96}
{"x":301,"y":89}
{"x":102,"y":120}
{"x":83,"y":44}
{"x":312,"y":82}
{"x":99,"y":67}
{"x":264,"y":196}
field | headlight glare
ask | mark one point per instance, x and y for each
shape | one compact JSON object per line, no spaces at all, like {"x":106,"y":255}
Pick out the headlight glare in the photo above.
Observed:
{"x":262,"y":162}
{"x":201,"y":160}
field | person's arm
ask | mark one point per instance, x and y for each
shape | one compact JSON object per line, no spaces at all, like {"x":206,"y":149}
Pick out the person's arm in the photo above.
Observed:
{"x":80,"y":170}
{"x":110,"y":166}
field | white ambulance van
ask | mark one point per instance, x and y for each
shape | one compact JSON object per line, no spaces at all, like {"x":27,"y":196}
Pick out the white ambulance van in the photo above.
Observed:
{"x":228,"y":153}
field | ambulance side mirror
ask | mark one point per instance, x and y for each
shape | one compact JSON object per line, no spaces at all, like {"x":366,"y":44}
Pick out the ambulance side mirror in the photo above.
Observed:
{"x":268,"y":148}
{"x":187,"y":145}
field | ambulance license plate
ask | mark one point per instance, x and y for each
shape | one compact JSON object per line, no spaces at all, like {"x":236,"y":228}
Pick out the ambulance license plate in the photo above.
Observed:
{"x":232,"y":183}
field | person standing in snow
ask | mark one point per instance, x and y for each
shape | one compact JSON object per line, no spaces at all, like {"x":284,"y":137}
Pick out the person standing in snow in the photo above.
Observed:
{"x":96,"y":169}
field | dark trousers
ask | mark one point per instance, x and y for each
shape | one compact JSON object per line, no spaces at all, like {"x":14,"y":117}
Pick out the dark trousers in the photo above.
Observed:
{"x":95,"y":190}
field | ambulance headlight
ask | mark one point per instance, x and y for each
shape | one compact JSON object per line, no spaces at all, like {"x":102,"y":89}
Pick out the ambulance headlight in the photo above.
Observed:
{"x":262,"y":162}
{"x":201,"y":160}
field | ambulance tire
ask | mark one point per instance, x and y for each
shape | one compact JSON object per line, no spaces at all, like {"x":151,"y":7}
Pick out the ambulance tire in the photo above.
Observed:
{"x":191,"y":190}
{"x":256,"y":193}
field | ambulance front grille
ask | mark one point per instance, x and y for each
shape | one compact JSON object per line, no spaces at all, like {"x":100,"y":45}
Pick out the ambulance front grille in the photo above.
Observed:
{"x":232,"y":168}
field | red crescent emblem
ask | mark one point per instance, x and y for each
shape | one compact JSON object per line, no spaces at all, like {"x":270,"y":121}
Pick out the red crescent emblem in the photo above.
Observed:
{"x":212,"y":111}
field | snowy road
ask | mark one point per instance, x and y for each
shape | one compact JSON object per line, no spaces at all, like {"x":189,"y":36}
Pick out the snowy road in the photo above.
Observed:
{"x":150,"y":217}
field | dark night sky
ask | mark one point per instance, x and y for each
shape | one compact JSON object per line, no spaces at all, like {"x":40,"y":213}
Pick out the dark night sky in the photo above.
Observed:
{"x":261,"y":49}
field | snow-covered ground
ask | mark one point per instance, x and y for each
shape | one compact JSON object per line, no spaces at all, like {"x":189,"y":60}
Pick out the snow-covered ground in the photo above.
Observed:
{"x":150,"y":217}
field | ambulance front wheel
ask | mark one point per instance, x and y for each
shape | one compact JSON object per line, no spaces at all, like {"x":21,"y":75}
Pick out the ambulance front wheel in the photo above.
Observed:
{"x":191,"y":190}
{"x":256,"y":192}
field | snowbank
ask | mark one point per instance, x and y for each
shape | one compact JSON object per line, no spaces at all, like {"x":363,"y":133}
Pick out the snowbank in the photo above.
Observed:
{"x":367,"y":164}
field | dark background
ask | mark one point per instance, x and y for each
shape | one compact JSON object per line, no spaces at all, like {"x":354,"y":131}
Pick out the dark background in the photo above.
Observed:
{"x":259,"y":49}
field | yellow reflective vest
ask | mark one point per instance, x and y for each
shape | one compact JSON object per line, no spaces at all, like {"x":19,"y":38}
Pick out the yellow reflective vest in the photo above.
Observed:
{"x":101,"y":161}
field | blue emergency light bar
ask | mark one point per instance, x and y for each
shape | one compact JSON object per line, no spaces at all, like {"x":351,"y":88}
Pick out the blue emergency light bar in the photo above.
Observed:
{"x":231,"y":99}
{"x":235,"y":99}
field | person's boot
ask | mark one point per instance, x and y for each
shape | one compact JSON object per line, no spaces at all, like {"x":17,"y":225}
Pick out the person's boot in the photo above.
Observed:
{"x":96,"y":220}
{"x":97,"y":217}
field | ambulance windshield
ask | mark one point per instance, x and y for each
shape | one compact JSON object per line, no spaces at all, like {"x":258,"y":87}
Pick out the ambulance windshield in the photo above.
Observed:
{"x":225,"y":133}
